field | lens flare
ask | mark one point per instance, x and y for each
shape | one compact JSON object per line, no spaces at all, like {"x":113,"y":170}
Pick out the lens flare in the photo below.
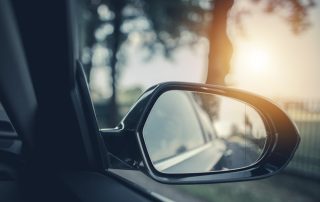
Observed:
{"x":257,"y":59}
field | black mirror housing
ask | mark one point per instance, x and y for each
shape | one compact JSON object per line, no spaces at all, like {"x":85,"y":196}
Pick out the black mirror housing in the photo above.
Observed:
{"x":127,"y":149}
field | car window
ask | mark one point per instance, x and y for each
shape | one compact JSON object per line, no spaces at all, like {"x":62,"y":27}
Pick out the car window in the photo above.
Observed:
{"x":165,"y":131}
{"x":267,"y":47}
{"x":206,"y":122}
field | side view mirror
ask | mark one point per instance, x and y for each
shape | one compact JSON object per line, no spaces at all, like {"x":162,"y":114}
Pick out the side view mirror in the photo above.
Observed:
{"x":193,"y":133}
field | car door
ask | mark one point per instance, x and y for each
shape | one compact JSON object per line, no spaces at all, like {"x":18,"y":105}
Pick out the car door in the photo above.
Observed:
{"x":172,"y":140}
{"x":175,"y":147}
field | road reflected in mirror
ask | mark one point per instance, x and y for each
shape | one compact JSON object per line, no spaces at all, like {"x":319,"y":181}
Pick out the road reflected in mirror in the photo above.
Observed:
{"x":194,"y":132}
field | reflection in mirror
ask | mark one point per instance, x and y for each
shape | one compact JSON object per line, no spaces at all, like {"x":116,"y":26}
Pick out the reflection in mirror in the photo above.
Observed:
{"x":194,"y":132}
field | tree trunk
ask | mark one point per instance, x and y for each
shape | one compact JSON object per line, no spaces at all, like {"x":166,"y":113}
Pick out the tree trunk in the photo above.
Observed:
{"x":116,"y":42}
{"x":220,"y":49}
{"x":87,"y":32}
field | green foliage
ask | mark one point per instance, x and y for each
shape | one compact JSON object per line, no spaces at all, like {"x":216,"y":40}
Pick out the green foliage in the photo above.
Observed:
{"x":295,"y":12}
{"x":166,"y":24}
{"x":162,"y":26}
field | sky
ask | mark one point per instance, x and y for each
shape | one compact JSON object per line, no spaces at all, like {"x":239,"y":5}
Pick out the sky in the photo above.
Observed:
{"x":268,"y":60}
{"x":291,"y":66}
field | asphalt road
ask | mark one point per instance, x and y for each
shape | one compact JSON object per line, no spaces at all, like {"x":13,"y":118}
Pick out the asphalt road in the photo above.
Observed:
{"x":237,"y":156}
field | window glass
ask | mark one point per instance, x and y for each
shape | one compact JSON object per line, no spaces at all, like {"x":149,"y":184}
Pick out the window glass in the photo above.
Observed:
{"x":267,"y":47}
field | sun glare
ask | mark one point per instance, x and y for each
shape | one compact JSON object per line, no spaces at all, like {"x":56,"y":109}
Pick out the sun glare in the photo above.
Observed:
{"x":257,"y":59}
{"x":253,"y":59}
{"x":252,"y":63}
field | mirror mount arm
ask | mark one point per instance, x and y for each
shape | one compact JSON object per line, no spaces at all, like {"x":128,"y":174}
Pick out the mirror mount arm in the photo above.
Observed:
{"x":123,"y":152}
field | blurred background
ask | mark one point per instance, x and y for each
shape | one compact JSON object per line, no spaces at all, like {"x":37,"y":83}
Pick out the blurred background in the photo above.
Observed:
{"x":269,"y":47}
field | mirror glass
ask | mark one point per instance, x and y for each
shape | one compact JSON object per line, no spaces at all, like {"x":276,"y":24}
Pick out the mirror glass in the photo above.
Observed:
{"x":194,"y":132}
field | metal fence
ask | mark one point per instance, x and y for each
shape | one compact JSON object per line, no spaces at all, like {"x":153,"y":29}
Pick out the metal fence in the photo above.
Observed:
{"x":306,"y":114}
